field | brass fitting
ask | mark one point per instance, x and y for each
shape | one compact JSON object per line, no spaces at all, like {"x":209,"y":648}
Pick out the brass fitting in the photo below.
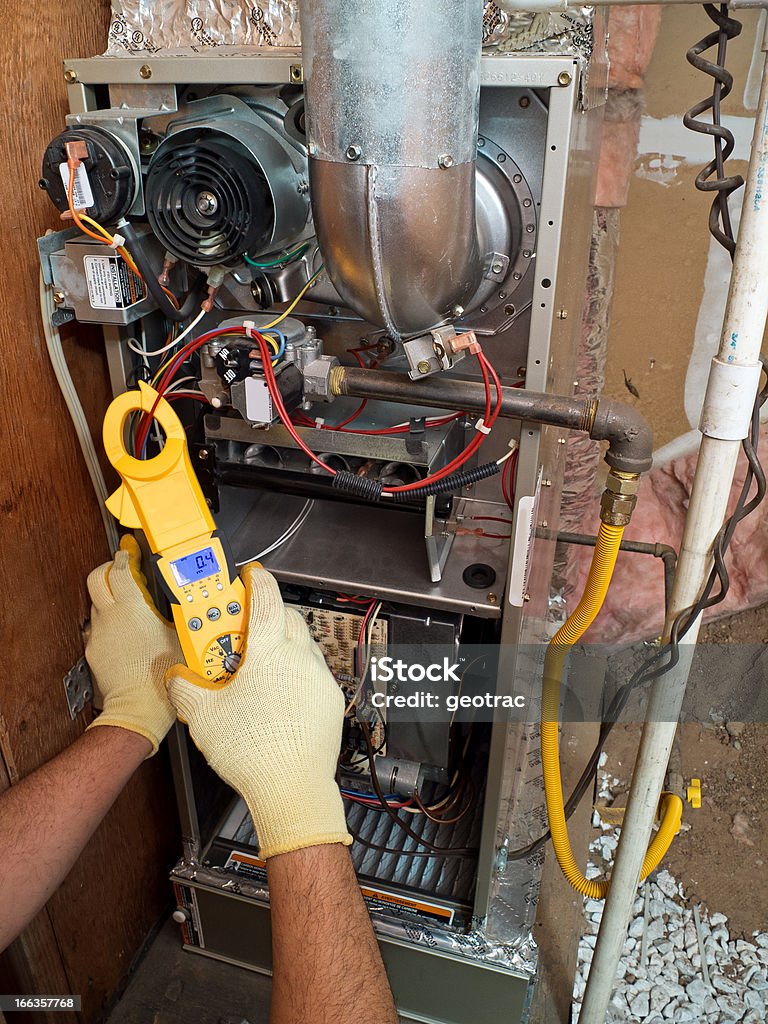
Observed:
{"x":336,"y":380}
{"x":622,"y":483}
{"x":619,"y":498}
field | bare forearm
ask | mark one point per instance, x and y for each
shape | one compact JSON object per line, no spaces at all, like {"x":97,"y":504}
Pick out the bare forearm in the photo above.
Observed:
{"x":46,"y":820}
{"x":326,"y":961}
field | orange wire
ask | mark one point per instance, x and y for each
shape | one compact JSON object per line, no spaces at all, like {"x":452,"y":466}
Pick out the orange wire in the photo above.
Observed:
{"x":73,"y":211}
{"x":99,"y":238}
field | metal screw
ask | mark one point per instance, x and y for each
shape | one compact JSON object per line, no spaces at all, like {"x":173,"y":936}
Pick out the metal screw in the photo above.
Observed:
{"x":491,"y":598}
{"x":564,"y":78}
{"x":497,"y":267}
{"x":457,"y":310}
{"x":561,"y":440}
{"x":203,"y":455}
{"x":58,"y":297}
{"x":546,"y":483}
{"x":70,"y":76}
{"x":543,"y":524}
{"x":206,"y":203}
{"x":353,"y":153}
{"x":562,"y":314}
{"x":445,"y":160}
{"x":296,"y":73}
{"x":145,"y":71}
{"x":526,"y":597}
{"x":423,"y":366}
{"x":525,"y":101}
{"x":521,"y":371}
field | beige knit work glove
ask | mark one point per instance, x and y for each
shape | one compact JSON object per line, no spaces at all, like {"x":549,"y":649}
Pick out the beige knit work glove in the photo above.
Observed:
{"x":273,"y":732}
{"x":130,"y":648}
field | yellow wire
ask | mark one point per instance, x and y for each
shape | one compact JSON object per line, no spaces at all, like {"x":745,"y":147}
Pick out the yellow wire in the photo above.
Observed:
{"x":294,"y":303}
{"x":164,"y":366}
{"x":595,"y":589}
{"x":110,"y":239}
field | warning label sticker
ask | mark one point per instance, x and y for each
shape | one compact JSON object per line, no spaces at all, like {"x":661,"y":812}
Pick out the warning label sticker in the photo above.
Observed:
{"x":247,"y":865}
{"x":111,"y":285}
{"x":255,"y":869}
{"x":381,"y":899}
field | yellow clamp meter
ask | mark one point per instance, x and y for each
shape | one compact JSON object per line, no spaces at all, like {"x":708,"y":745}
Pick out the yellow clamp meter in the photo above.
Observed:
{"x":162,"y":496}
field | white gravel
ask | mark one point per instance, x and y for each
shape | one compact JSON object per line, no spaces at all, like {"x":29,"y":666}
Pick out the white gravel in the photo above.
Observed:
{"x":670,"y":985}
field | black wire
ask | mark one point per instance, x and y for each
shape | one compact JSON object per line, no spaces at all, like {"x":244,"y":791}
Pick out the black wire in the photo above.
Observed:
{"x":443,"y":851}
{"x":713,"y":178}
{"x":409,"y":853}
{"x":655,"y":666}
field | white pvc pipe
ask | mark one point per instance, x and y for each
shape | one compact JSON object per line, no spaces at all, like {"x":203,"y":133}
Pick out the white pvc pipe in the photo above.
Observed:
{"x":725,"y":420}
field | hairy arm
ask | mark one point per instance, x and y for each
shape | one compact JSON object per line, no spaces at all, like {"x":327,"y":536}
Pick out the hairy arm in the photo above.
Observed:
{"x":327,"y":965}
{"x":46,"y":820}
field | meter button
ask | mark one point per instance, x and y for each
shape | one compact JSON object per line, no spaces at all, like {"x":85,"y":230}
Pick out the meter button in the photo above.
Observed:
{"x":233,"y":608}
{"x":190,"y":598}
{"x":195,"y":623}
{"x":205,"y":593}
{"x":213,"y":614}
{"x":219,"y":586}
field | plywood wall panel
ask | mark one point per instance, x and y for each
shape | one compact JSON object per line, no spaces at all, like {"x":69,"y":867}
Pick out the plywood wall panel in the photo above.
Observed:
{"x":51,"y":532}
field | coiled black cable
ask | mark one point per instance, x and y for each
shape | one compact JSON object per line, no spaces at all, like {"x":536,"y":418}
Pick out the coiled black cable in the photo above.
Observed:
{"x":713,"y":178}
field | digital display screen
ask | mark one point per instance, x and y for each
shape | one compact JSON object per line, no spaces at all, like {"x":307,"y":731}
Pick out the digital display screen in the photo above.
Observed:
{"x":195,"y":567}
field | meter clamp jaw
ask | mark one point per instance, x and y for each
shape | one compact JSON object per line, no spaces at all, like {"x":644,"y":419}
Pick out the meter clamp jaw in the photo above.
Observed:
{"x":193,"y":566}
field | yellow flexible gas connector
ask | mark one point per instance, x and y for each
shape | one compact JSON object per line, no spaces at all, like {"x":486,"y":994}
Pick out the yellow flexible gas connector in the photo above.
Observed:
{"x":598,"y":580}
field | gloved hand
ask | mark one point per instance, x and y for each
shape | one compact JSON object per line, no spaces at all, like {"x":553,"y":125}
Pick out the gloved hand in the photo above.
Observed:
{"x":274,"y":731}
{"x":130,"y":648}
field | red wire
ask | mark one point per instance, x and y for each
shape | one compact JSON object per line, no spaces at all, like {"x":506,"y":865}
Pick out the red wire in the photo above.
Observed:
{"x":489,"y":418}
{"x":187,"y":394}
{"x":277,"y":398}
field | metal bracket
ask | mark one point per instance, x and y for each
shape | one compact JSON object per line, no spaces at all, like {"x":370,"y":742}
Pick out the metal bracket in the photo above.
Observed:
{"x":496,"y":266}
{"x":78,"y":687}
{"x":62,"y":316}
{"x":53,"y":242}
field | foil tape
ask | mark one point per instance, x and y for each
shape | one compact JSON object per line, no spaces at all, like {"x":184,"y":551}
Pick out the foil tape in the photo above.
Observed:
{"x":540,"y":32}
{"x":191,"y":26}
{"x":518,"y":954}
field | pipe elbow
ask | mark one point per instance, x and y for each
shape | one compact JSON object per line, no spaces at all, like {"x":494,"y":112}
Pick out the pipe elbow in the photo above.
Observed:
{"x":628,"y":433}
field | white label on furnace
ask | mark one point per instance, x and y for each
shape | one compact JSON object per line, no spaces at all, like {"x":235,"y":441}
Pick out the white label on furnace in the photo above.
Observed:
{"x":525,"y":533}
{"x":103,"y":279}
{"x":82,"y":195}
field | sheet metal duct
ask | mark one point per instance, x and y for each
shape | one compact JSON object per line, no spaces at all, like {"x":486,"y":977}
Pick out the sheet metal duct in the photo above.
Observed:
{"x":392,"y":93}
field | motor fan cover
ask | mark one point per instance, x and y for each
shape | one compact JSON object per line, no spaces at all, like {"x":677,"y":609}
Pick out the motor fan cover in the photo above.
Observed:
{"x":207,"y":200}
